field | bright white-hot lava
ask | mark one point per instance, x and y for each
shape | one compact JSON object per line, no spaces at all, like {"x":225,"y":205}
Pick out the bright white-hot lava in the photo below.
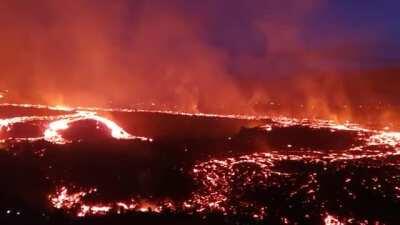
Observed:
{"x":62,"y":122}
{"x":64,"y":199}
{"x":331,"y":220}
{"x":52,"y":134}
{"x":75,"y":201}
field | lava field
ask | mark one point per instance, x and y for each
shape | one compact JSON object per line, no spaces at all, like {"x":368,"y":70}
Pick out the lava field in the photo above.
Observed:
{"x":118,"y":166}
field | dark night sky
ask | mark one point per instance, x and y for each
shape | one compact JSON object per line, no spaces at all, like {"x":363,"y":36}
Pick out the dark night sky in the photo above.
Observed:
{"x":369,"y":22}
{"x":331,"y":24}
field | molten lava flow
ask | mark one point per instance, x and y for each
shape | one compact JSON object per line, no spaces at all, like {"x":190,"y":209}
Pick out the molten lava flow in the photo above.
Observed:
{"x":93,"y":210}
{"x":222,"y":182}
{"x":217,"y":176}
{"x":330,"y":220}
{"x":51,"y":134}
{"x":63,"y":199}
{"x":99,"y":109}
{"x":62,"y":122}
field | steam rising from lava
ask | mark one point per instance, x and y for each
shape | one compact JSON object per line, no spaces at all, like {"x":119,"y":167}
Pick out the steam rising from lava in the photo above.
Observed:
{"x":180,"y":55}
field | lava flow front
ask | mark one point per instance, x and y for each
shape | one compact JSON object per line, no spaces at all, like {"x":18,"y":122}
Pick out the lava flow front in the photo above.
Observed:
{"x":246,"y":170}
{"x":61,"y":122}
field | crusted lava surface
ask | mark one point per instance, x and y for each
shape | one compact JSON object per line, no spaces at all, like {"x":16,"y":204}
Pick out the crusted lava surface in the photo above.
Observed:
{"x":102,"y":166}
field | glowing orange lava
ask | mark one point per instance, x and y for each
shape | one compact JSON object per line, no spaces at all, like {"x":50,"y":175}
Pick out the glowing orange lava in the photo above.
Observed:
{"x":331,"y":220}
{"x":62,"y":122}
{"x":216,"y":176}
{"x":63,"y":199}
{"x":51,"y":134}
